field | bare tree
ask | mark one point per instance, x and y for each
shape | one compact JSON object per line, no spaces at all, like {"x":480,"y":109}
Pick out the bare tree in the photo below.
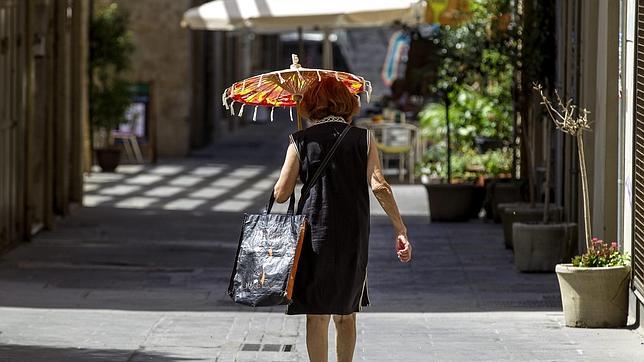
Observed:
{"x":573,"y":121}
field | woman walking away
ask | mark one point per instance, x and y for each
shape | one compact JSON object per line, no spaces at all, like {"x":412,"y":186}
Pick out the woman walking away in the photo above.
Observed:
{"x":331,"y":280}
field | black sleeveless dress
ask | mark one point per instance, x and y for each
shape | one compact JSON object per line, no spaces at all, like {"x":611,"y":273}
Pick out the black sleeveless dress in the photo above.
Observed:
{"x":332,"y":271}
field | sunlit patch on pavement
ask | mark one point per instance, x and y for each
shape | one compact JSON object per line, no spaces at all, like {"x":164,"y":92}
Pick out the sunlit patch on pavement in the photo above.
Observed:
{"x":95,"y":200}
{"x":228,"y":182}
{"x":185,"y":181}
{"x":183,"y":204}
{"x":119,"y":190}
{"x":163,"y":191}
{"x":207,"y":171}
{"x":232,"y":206}
{"x":209,"y":192}
{"x":166,"y":170}
{"x":144,"y":179}
{"x":136,"y":202}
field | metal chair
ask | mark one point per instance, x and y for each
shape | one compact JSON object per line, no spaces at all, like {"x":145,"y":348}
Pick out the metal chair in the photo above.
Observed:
{"x":397,"y":141}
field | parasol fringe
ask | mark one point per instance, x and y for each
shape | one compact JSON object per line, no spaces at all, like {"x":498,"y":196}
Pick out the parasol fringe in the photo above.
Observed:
{"x":232,"y":109}
{"x":261,"y":79}
{"x":336,"y":76}
{"x":359,"y":104}
{"x":319,"y":76}
{"x":272,"y":109}
{"x":255,"y":114}
{"x":368,"y":90}
{"x":299,"y":74}
{"x":290,"y":112}
{"x":243,"y":85}
{"x":282,"y":80}
{"x":241,"y":110}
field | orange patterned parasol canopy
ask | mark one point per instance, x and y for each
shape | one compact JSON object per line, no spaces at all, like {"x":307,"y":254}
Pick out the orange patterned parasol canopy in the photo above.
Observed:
{"x":284,"y":88}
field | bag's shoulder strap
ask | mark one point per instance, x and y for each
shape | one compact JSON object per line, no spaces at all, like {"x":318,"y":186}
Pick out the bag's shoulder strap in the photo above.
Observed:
{"x":323,"y":164}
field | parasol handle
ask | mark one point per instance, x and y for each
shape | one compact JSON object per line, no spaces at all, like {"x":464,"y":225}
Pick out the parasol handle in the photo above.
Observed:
{"x":298,"y":98}
{"x":299,"y":120}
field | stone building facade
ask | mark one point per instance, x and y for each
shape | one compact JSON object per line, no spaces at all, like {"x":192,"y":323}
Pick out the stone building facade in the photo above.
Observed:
{"x":162,"y":57}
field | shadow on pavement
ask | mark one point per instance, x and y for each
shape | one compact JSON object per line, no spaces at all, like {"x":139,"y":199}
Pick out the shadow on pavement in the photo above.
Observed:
{"x":159,"y":260}
{"x":20,"y":353}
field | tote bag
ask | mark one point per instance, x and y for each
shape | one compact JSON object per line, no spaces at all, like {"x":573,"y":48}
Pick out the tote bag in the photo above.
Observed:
{"x":269,"y":250}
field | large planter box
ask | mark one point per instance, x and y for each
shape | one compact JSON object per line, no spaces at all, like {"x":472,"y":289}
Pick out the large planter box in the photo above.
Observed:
{"x":525,"y":213}
{"x":502,"y":192}
{"x":540,"y":247}
{"x":594,"y":297}
{"x":453,"y":202}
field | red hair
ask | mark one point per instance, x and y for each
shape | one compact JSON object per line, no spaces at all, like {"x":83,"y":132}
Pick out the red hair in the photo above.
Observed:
{"x":328,"y":97}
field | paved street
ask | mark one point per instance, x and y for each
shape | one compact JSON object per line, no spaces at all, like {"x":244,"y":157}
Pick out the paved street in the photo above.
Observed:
{"x":140,"y":275}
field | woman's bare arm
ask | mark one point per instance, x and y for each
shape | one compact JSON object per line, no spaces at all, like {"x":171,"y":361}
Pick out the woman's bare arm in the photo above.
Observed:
{"x":288,"y":176}
{"x":382,"y":190}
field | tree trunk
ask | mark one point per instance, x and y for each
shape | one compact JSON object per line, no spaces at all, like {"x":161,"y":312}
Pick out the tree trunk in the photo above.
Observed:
{"x":584,"y":189}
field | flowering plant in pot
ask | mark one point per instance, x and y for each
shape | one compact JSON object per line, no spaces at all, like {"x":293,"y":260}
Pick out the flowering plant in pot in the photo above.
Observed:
{"x":594,"y":286}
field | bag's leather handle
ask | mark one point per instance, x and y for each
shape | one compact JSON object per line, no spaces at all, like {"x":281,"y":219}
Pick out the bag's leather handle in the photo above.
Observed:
{"x":320,"y":169}
{"x":291,"y":204}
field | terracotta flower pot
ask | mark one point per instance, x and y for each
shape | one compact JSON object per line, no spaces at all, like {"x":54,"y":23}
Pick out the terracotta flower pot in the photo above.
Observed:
{"x":594,"y":297}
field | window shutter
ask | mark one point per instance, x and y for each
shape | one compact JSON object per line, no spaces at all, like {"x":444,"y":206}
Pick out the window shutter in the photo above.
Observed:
{"x":638,"y":155}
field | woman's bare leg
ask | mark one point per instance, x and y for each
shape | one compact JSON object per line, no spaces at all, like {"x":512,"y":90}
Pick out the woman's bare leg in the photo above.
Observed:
{"x":317,"y":337}
{"x":345,"y":341}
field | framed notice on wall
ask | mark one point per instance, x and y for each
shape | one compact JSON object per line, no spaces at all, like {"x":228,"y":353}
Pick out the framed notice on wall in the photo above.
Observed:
{"x":137,"y":114}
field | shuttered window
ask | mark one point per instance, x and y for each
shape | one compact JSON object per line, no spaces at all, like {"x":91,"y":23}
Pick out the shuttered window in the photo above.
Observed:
{"x":638,"y":154}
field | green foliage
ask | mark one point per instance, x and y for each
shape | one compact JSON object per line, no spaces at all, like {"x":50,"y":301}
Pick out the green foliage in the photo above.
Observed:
{"x":467,"y":164}
{"x":472,"y":114}
{"x":111,"y":47}
{"x":475,"y":78}
{"x":601,"y":254}
{"x":483,"y":49}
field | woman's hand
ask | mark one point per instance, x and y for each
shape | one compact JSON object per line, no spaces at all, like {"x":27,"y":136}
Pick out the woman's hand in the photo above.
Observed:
{"x":403,"y":248}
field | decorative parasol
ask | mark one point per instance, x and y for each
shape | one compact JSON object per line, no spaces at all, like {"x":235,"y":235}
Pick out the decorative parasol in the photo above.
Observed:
{"x":284,"y":88}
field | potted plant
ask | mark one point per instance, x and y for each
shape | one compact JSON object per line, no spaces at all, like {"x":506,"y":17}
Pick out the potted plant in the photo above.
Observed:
{"x":536,"y":214}
{"x":473,"y":88}
{"x":540,"y":245}
{"x":594,"y":286}
{"x":537,"y":59}
{"x":454,"y":201}
{"x":111,"y":47}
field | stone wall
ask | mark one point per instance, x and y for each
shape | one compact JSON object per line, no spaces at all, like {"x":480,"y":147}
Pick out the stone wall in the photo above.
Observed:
{"x":162,"y":56}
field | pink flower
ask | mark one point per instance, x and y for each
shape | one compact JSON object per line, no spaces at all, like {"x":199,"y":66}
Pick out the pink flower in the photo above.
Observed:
{"x":595,"y":238}
{"x":613,"y":245}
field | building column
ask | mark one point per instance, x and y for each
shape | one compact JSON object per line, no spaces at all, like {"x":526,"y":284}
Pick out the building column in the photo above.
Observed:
{"x":80,"y":146}
{"x":605,"y":123}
